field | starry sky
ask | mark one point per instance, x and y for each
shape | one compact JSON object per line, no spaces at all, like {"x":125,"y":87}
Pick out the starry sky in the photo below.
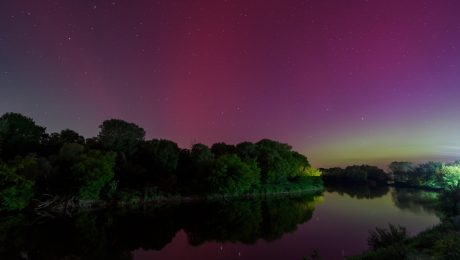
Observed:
{"x":342,"y":81}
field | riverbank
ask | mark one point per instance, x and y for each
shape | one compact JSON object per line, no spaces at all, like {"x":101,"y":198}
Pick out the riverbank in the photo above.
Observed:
{"x":148,"y":197}
{"x":439,"y":242}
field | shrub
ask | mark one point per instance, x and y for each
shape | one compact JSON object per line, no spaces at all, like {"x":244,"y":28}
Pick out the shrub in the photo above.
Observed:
{"x":231,"y":175}
{"x":448,"y":246}
{"x":93,"y":171}
{"x":15,"y":191}
{"x":382,"y":237}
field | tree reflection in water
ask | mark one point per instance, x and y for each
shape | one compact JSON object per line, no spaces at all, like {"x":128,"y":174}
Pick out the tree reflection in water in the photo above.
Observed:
{"x":415,"y":200}
{"x":357,"y":190}
{"x":114,"y":235}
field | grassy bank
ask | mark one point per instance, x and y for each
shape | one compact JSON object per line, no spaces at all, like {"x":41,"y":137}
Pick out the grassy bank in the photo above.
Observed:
{"x":440,"y":242}
{"x":132,"y":198}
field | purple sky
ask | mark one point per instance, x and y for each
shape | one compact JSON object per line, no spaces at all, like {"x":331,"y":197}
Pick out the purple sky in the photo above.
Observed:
{"x":344,"y":81}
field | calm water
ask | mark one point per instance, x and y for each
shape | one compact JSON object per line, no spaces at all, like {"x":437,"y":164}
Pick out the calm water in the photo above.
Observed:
{"x":335,"y":223}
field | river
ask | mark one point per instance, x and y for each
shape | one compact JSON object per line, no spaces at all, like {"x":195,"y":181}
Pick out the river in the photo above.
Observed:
{"x":333,"y":224}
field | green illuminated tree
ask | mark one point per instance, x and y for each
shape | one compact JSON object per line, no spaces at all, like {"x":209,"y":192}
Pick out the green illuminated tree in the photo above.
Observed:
{"x":93,"y":171}
{"x":278,"y":163}
{"x":231,"y":175}
{"x":451,"y":184}
{"x":450,"y":176}
{"x":16,"y":185}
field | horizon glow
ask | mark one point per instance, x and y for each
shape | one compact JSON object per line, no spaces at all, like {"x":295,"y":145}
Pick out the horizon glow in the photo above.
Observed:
{"x":342,"y":81}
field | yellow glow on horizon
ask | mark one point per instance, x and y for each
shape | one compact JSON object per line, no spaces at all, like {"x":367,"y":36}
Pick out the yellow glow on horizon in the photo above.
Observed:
{"x":381,"y":146}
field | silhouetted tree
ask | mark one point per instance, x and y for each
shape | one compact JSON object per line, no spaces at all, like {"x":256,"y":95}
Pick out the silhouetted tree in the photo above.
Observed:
{"x":53,"y":142}
{"x":159,"y":156}
{"x":120,"y":136}
{"x":119,"y":164}
{"x":201,"y":159}
{"x":19,"y":135}
{"x":155,"y":162}
{"x":402,"y":170}
{"x":219,"y":149}
{"x":247,"y":151}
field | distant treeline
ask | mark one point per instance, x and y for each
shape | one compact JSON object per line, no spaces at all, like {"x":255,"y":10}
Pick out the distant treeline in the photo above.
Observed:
{"x":356,"y":173}
{"x":443,"y":177}
{"x":434,"y":175}
{"x":120,"y":165}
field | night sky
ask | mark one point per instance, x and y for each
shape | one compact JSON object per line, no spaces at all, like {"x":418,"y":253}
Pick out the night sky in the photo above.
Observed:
{"x":343,"y":81}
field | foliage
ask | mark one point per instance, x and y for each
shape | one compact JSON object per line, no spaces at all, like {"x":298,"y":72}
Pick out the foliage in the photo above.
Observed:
{"x":381,"y":237}
{"x":427,"y":174}
{"x":197,"y":167}
{"x":401,"y":167}
{"x":120,"y":136}
{"x":231,"y":175}
{"x":160,"y":156}
{"x":448,"y":246}
{"x":219,"y":149}
{"x":313,"y":172}
{"x":70,"y":153}
{"x":54,"y":141}
{"x":129,"y":197}
{"x":439,"y":242}
{"x":19,"y":135}
{"x":200,"y":153}
{"x":110,"y":189}
{"x":402,"y":171}
{"x":450,"y":201}
{"x":430,"y":175}
{"x":450,"y":176}
{"x":247,"y":151}
{"x":15,"y":191}
{"x":356,"y":173}
{"x":450,"y":182}
{"x":277,"y":162}
{"x":93,"y":171}
{"x":65,"y":165}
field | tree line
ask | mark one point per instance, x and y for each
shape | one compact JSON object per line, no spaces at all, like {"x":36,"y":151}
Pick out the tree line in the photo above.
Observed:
{"x":119,"y":164}
{"x":440,"y":176}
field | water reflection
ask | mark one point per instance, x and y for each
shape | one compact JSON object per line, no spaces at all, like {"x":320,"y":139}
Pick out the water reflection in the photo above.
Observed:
{"x":268,"y":229}
{"x":357,"y":190}
{"x":114,"y":235}
{"x":415,"y":200}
